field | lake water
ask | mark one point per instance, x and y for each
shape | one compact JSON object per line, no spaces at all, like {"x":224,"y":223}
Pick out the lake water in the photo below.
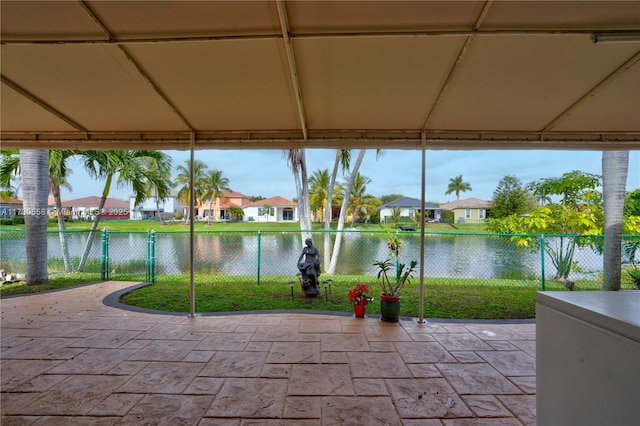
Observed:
{"x":237,"y":253}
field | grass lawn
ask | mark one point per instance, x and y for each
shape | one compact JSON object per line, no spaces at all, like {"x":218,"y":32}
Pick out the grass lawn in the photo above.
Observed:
{"x":472,"y":299}
{"x":441,"y":300}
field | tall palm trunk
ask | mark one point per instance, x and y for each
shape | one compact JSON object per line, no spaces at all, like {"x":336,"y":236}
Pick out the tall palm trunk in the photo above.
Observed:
{"x":158,"y":210}
{"x":614,"y":179}
{"x":96,"y":220}
{"x":298,"y":166}
{"x":35,"y":188}
{"x":329,"y":210}
{"x":343,"y":213}
{"x":304,"y":181}
{"x":55,"y":191}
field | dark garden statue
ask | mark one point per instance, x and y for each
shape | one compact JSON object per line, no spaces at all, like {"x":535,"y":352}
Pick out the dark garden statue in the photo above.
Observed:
{"x":309,"y":267}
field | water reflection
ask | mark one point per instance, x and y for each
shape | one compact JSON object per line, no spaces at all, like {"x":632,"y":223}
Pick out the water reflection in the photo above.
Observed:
{"x":238,"y":253}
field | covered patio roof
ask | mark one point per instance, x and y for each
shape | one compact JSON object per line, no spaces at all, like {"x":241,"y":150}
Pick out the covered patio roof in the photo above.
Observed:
{"x":320,"y":74}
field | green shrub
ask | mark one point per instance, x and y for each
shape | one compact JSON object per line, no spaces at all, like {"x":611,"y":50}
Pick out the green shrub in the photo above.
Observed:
{"x":5,"y":221}
{"x":18,"y":220}
{"x":448,"y":216}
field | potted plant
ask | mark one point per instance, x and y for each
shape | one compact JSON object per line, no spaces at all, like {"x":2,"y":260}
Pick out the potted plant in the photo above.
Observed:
{"x":358,"y":296}
{"x":390,"y":297}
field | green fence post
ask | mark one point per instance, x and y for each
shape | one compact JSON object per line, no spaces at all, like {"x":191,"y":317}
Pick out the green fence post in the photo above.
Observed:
{"x":103,"y":258}
{"x":153,"y":257}
{"x":542,"y":258}
{"x":258,"y":257}
{"x":147,"y":277}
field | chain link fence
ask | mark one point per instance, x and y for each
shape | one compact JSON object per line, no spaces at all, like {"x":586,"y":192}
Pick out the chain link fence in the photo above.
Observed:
{"x":254,"y":257}
{"x":13,"y":254}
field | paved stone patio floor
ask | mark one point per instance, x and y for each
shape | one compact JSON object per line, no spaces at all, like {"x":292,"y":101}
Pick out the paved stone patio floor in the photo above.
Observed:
{"x":68,"y":359}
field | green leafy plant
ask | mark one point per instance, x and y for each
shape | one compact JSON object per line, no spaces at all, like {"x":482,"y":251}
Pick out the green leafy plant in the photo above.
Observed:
{"x":403,"y":274}
{"x":634,"y":273}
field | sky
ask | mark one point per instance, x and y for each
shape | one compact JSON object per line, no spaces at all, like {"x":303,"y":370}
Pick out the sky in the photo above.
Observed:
{"x":266,"y":173}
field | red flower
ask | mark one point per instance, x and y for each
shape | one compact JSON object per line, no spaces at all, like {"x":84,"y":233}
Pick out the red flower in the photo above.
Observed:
{"x":358,"y":295}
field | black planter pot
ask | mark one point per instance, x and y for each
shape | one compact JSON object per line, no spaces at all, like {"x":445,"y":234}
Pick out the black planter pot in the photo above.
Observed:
{"x":390,"y":308}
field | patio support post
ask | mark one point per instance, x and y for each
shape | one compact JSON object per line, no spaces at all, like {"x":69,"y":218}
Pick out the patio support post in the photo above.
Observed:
{"x":192,"y":192}
{"x":422,"y":220}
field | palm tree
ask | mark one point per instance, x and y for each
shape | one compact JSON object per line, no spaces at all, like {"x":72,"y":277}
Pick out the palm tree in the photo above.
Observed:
{"x":183,"y":181}
{"x":158,"y":184}
{"x":235,"y":213}
{"x":319,"y":187}
{"x":267,"y":211}
{"x":298,"y":163}
{"x":542,"y":199}
{"x":343,"y":212}
{"x":396,"y":214}
{"x":214,"y":184}
{"x":342,"y":159}
{"x":615,"y":165}
{"x":360,"y":201}
{"x":456,"y":185}
{"x":9,"y":170}
{"x":34,"y":164}
{"x":58,"y":173}
{"x":127,"y":166}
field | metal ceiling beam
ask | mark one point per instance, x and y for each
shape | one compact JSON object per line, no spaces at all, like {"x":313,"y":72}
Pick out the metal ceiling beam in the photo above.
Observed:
{"x":591,"y":93}
{"x":334,"y":139}
{"x":135,"y":65}
{"x":42,"y":104}
{"x":159,"y":39}
{"x":457,"y":63}
{"x":284,"y":24}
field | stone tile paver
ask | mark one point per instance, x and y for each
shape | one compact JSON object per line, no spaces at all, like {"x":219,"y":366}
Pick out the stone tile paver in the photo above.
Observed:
{"x":162,"y":377}
{"x":461,"y":342}
{"x":510,"y":363}
{"x":426,"y":398}
{"x":486,"y":406}
{"x":225,"y":342}
{"x":164,"y":350}
{"x":294,"y":352}
{"x":377,"y":364}
{"x":77,"y":395}
{"x":93,"y":361}
{"x":423,"y":352}
{"x":481,"y":379}
{"x":167,"y":410}
{"x":68,"y":359}
{"x":343,"y":343}
{"x":235,"y":364}
{"x":357,"y":411}
{"x":250,"y":398}
{"x":317,"y":379}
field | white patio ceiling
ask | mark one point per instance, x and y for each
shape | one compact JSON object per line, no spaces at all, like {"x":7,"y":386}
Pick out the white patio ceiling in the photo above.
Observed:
{"x":326,"y":74}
